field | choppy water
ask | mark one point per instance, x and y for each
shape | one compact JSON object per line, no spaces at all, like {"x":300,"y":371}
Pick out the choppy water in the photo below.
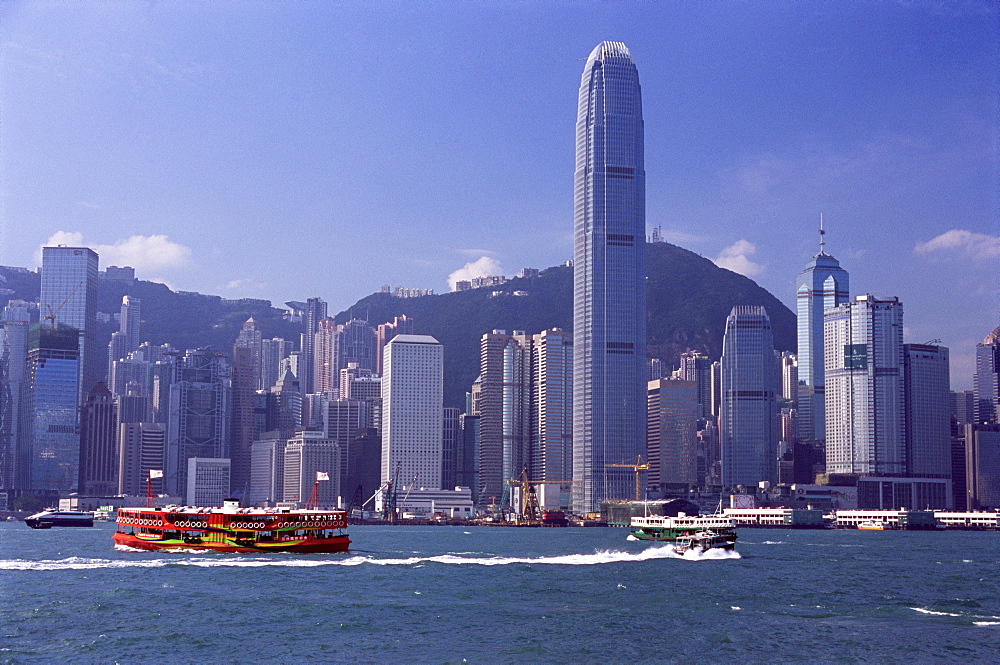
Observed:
{"x":486,"y":595}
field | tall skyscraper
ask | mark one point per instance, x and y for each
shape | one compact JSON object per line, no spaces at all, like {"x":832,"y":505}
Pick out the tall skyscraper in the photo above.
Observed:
{"x":326,"y":377}
{"x":412,"y":410}
{"x":99,"y":443}
{"x":272,"y":352}
{"x":609,"y":272}
{"x":49,"y":419}
{"x":672,"y":440}
{"x":69,"y":297}
{"x":250,"y":338}
{"x":400,"y":325}
{"x":927,"y":398}
{"x":356,"y":343}
{"x":198,"y":419}
{"x":242,"y":426}
{"x":986,"y":382}
{"x":863,"y":358}
{"x":140,"y":448}
{"x":697,"y":367}
{"x":748,"y":425}
{"x":551,"y":445}
{"x":14,"y":323}
{"x":129,"y":324}
{"x":822,"y":285}
{"x":315,"y":312}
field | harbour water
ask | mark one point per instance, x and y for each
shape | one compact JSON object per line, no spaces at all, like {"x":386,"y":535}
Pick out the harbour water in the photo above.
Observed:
{"x":502,"y":595}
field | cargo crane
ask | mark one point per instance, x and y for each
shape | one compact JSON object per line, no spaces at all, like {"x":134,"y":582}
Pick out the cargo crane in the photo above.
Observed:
{"x":530,"y":510}
{"x":639,"y":467}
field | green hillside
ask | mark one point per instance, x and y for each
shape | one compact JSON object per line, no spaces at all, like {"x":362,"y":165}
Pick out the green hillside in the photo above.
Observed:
{"x":689,"y":298}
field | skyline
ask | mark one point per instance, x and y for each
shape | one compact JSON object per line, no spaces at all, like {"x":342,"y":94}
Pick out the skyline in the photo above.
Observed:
{"x":204,"y":132}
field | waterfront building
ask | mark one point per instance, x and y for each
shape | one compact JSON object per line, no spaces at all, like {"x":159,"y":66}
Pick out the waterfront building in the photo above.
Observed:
{"x":49,"y":422}
{"x":342,"y":420}
{"x":267,"y":470}
{"x":504,"y":409}
{"x":748,"y":411}
{"x":467,"y":458}
{"x":198,"y":419}
{"x":364,"y":467}
{"x":672,"y":439}
{"x":14,"y":323}
{"x":927,"y":417}
{"x":69,"y":297}
{"x":451,"y":437}
{"x":982,"y":466}
{"x":986,"y":382}
{"x":864,"y":392}
{"x":821,"y":286}
{"x":609,"y":273}
{"x":99,"y":443}
{"x":412,"y":403}
{"x":551,"y":444}
{"x":899,"y":493}
{"x":307,"y":454}
{"x":242,"y":429}
{"x":141,"y":447}
{"x":207,"y":481}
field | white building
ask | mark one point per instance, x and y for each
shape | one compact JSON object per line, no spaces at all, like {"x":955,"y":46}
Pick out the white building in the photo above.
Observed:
{"x":267,"y":470}
{"x":412,"y":410}
{"x":863,"y":355}
{"x":306,"y":454}
{"x":207,"y":480}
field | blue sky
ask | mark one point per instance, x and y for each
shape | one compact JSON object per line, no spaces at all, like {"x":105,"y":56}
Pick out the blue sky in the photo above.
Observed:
{"x":292,"y":149}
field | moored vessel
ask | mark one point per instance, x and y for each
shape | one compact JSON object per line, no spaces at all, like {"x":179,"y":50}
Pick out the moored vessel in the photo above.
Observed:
{"x":50,"y":517}
{"x":668,"y":529}
{"x":233,"y":529}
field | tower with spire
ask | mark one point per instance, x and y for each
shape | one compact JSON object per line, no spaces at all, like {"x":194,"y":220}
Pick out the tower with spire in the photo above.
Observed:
{"x":822,"y":285}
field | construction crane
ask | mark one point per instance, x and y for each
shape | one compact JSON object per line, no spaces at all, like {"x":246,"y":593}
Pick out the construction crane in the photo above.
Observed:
{"x":530,"y":510}
{"x":639,"y":467}
{"x":51,"y":316}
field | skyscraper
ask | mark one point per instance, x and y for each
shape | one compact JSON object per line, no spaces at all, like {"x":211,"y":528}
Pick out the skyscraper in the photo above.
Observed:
{"x":748,"y":425}
{"x":99,"y":443}
{"x":822,"y":285}
{"x":314,"y":313}
{"x":609,"y":289}
{"x":198,"y":415}
{"x":14,"y":323}
{"x":863,"y":359}
{"x":129,"y":324}
{"x":412,"y":410}
{"x":672,"y":439}
{"x":928,"y":410}
{"x":69,"y":297}
{"x":986,"y":382}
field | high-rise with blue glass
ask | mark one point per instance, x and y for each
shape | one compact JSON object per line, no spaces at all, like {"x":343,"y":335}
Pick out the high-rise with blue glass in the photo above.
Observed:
{"x":609,"y":290}
{"x":821,"y":286}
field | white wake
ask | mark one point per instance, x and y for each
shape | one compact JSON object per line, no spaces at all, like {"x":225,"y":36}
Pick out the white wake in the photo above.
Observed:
{"x":242,"y":561}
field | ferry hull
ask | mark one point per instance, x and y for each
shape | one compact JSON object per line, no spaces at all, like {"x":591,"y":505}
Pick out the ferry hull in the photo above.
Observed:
{"x":310,"y":546}
{"x":671,"y":537}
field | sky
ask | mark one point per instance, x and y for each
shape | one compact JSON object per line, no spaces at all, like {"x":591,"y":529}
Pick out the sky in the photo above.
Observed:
{"x":286,"y":150}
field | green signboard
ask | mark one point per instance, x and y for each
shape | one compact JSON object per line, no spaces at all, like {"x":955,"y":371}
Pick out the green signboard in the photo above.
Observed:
{"x":856,"y":356}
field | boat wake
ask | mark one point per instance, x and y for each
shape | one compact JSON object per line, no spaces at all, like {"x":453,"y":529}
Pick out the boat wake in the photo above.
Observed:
{"x":977,"y":619}
{"x":239,"y":561}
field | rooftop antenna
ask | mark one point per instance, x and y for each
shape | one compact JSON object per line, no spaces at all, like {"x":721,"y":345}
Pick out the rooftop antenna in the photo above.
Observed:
{"x":822,"y":234}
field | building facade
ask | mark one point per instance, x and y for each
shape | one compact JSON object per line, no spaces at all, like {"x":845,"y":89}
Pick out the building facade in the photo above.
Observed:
{"x":822,"y":285}
{"x":412,"y":411}
{"x":927,"y":416}
{"x":986,"y":382}
{"x":748,"y":425}
{"x":609,"y":272}
{"x":69,"y":297}
{"x":865,"y":408}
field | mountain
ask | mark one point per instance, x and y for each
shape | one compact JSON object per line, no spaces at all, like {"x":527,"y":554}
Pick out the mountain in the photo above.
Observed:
{"x":688,"y":300}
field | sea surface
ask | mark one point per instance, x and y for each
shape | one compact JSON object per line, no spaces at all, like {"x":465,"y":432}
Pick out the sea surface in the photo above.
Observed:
{"x":505,"y":595}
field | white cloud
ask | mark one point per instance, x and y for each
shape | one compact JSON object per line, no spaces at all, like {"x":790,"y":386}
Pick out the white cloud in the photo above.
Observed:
{"x":736,"y":258}
{"x":242,"y":285}
{"x":153,"y":252}
{"x":977,"y":246}
{"x":481,"y":267}
{"x":476,"y":252}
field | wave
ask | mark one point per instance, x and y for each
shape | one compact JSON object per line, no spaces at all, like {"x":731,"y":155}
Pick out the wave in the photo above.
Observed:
{"x":985,"y":619}
{"x":227,"y":561}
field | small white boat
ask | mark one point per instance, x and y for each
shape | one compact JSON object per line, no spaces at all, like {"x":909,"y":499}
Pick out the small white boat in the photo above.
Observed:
{"x":872,"y":525}
{"x":701,"y":542}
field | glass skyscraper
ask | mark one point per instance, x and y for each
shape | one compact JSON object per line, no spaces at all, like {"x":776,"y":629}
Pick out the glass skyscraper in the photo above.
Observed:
{"x":821,"y":286}
{"x":69,"y":297}
{"x":748,"y":416}
{"x":609,"y":290}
